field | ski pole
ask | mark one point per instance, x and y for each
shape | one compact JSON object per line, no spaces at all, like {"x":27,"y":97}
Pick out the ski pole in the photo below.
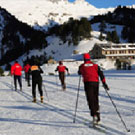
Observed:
{"x":128,"y":130}
{"x":11,"y":82}
{"x":45,"y":92}
{"x":77,"y":100}
{"x":56,"y":80}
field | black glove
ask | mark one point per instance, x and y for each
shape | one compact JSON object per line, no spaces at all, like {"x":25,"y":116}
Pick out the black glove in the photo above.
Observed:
{"x":105,"y":86}
{"x":79,"y":73}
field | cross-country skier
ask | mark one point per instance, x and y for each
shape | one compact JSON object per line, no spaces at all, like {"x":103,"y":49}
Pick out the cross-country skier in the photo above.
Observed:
{"x":27,"y":75}
{"x":91,"y":73}
{"x":36,"y":71}
{"x":61,"y":70}
{"x":16,"y":70}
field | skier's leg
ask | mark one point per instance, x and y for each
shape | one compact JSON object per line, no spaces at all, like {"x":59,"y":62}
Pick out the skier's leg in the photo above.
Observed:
{"x":20,"y":82}
{"x":62,"y":76}
{"x":25,"y":76}
{"x":64,"y":84}
{"x":34,"y":91}
{"x":96,"y":95}
{"x":15,"y":84}
{"x":28,"y":79}
{"x":92,"y":99}
{"x":40,"y":90}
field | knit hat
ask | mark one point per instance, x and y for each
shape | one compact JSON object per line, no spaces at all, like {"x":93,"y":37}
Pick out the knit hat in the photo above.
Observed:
{"x":60,"y":62}
{"x":86,"y":56}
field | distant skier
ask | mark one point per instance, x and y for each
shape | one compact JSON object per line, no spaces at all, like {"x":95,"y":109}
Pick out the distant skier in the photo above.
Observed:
{"x":36,"y":71}
{"x":61,"y":70}
{"x":27,"y":75}
{"x":16,"y":70}
{"x":91,"y":73}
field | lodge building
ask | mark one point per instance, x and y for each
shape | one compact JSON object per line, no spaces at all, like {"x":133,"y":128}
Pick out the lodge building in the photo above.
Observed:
{"x":113,"y":51}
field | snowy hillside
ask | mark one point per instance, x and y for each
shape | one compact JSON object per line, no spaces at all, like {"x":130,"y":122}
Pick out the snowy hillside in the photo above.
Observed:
{"x":62,"y":51}
{"x":41,"y":13}
{"x":18,"y":115}
{"x":44,"y":13}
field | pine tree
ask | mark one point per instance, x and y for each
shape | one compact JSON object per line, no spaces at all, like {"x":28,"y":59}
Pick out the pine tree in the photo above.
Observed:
{"x":115,"y":37}
{"x":102,"y":26}
{"x":101,"y":37}
{"x":108,"y":37}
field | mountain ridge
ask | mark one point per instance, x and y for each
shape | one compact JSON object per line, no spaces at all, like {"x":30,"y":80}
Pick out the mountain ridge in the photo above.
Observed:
{"x":39,"y":13}
{"x":45,"y":16}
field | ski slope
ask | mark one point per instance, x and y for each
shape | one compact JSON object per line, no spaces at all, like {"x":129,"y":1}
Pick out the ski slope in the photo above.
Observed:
{"x":18,"y":115}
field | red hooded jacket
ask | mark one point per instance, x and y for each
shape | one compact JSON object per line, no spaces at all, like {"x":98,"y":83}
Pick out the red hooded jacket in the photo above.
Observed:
{"x":26,"y":68}
{"x":16,"y":69}
{"x":61,"y":68}
{"x":91,"y":72}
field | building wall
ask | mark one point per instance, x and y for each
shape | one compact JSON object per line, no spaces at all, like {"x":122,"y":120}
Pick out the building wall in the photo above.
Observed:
{"x":113,"y":52}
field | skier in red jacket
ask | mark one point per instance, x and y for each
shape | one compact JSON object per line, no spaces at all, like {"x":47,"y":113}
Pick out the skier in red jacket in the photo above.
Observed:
{"x":27,"y":74}
{"x":16,"y":70}
{"x":61,"y":70}
{"x":91,"y":73}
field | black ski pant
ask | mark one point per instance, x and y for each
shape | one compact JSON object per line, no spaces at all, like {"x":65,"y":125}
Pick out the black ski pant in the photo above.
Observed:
{"x":39,"y":84}
{"x":16,"y":77}
{"x":27,"y":77}
{"x":92,"y":93}
{"x":62,"y":79}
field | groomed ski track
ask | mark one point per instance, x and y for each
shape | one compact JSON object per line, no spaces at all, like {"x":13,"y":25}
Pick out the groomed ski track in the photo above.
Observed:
{"x":55,"y":117}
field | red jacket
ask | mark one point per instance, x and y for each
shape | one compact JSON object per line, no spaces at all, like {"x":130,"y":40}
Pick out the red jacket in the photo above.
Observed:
{"x":16,"y":69}
{"x":61,"y":68}
{"x":26,"y":68}
{"x":91,"y":72}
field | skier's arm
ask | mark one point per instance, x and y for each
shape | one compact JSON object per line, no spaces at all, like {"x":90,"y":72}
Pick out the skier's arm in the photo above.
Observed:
{"x":79,"y":70}
{"x":23,"y":68}
{"x":41,"y":71}
{"x":12,"y":70}
{"x":67,"y":70}
{"x":29,"y":71}
{"x":102,"y":77}
{"x":56,"y":69}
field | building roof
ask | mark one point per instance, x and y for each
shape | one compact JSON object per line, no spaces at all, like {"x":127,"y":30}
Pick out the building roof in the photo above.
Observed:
{"x":117,"y":46}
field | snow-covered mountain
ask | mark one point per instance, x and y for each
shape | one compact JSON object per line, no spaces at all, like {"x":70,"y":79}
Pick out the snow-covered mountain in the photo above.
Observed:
{"x":43,"y":13}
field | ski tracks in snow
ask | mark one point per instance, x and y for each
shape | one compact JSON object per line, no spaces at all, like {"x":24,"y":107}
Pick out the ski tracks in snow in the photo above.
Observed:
{"x":58,"y":112}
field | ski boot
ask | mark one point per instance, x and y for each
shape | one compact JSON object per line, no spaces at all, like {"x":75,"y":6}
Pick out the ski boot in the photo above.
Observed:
{"x":41,"y":99}
{"x":34,"y":100}
{"x":96,"y":120}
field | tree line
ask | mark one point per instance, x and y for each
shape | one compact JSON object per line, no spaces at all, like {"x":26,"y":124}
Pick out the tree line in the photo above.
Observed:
{"x":18,"y":38}
{"x":122,"y":15}
{"x":21,"y":38}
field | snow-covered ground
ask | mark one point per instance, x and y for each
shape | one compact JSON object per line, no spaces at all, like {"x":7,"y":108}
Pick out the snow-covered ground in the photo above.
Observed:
{"x":18,"y":115}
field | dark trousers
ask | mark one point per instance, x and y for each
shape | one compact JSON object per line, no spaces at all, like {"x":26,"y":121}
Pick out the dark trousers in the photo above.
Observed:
{"x":34,"y":84}
{"x":92,"y":92}
{"x":16,"y":77}
{"x":27,"y":77}
{"x":62,"y":79}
